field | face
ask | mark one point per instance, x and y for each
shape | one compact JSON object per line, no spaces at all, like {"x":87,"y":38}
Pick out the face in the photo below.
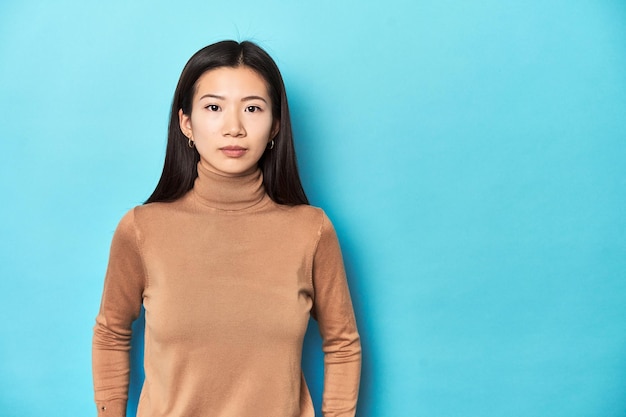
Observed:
{"x":231,"y":121}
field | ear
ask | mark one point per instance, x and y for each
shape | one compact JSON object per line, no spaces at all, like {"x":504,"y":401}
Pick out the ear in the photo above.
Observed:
{"x":275,"y":129}
{"x":184,"y":121}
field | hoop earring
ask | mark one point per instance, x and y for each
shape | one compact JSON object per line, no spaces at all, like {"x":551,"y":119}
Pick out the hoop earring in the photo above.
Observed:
{"x":271,"y":145}
{"x":190,"y":142}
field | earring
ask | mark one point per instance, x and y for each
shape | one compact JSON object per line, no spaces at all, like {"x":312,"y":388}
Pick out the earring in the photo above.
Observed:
{"x":190,"y":142}
{"x":271,"y":145}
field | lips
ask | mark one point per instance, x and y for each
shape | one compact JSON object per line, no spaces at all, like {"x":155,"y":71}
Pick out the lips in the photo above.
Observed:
{"x":233,"y":151}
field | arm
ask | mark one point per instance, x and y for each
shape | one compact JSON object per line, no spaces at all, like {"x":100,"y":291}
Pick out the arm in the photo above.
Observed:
{"x":333,"y":310}
{"x":120,"y":306}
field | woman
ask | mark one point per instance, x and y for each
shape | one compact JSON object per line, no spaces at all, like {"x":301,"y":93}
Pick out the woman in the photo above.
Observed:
{"x":228,"y":260}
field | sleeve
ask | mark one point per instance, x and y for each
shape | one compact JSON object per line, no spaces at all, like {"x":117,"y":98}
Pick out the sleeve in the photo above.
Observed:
{"x":333,"y":311}
{"x":120,"y":306}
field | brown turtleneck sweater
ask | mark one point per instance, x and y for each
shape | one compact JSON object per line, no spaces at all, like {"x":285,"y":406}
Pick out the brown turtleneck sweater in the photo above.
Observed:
{"x":228,"y":280}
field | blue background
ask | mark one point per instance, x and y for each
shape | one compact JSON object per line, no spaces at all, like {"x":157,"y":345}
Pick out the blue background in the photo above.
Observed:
{"x":471,"y":155}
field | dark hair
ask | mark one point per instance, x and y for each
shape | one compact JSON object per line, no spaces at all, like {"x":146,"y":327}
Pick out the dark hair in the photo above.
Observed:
{"x":279,"y":166}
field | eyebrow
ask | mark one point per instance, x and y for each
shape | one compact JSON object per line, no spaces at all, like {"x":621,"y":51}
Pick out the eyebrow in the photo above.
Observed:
{"x":247,"y":98}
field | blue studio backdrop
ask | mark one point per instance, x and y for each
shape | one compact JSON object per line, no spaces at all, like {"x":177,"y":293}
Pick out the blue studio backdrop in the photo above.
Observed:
{"x":472,"y":155}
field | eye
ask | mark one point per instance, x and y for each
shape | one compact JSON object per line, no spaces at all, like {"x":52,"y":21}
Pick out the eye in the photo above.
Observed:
{"x":213,"y":107}
{"x":252,"y":109}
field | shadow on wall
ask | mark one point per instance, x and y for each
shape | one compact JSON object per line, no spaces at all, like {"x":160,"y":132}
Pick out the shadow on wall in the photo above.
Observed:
{"x":312,"y":357}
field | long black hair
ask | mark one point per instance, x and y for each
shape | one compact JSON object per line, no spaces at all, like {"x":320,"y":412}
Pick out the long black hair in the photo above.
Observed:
{"x":280,"y":170}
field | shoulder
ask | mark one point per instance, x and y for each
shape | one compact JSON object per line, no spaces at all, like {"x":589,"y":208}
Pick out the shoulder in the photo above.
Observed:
{"x":314,"y":219}
{"x":155,"y":209}
{"x":304,"y":214}
{"x":127,"y":223}
{"x":142,"y":216}
{"x":152,"y":214}
{"x":125,"y":235}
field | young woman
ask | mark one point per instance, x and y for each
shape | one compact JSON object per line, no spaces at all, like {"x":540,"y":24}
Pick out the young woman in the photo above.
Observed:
{"x":228,"y":260}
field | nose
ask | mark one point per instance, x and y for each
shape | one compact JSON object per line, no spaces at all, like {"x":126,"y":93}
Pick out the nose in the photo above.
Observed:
{"x":232,"y":125}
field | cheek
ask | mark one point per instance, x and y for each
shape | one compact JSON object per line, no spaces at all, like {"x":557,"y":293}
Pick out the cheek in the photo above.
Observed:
{"x":204,"y":120}
{"x":265,"y":127}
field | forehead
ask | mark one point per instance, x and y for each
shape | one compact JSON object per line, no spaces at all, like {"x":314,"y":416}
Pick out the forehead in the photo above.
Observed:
{"x":229,"y":81}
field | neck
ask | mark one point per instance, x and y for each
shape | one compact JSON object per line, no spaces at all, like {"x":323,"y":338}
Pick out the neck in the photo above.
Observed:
{"x":229,"y":193}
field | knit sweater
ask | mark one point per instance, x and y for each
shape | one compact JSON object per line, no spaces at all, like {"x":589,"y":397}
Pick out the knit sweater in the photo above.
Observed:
{"x":228,"y":280}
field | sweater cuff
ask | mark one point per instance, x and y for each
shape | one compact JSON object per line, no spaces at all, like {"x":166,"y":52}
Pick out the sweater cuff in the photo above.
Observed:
{"x":113,"y":408}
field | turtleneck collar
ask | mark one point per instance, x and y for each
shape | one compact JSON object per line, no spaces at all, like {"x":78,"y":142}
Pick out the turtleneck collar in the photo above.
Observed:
{"x":229,"y":193}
